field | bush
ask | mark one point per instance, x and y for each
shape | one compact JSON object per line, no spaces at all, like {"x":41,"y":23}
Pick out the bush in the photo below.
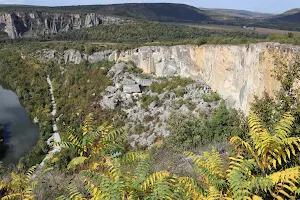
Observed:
{"x":146,"y":100}
{"x":211,"y":97}
{"x":180,"y":92}
{"x":170,"y":84}
{"x":190,"y":131}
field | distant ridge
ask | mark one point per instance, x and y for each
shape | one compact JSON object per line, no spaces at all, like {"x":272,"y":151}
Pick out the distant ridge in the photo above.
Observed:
{"x":25,"y":20}
{"x":292,"y":16}
{"x":238,"y":13}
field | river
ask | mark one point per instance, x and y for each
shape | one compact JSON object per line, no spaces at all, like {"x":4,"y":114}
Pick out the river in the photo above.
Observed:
{"x":20,"y":133}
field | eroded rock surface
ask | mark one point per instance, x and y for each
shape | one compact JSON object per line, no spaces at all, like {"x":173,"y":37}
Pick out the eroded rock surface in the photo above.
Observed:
{"x":147,"y":112}
{"x":237,"y":72}
{"x":33,"y":24}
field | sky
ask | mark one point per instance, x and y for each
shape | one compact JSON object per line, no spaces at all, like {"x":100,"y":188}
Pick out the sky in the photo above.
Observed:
{"x":269,"y":6}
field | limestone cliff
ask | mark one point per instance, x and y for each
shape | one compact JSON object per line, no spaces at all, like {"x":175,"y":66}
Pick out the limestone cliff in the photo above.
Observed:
{"x":32,"y":24}
{"x":237,"y":72}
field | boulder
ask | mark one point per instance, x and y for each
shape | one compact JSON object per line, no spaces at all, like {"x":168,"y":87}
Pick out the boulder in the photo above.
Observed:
{"x":127,"y":81}
{"x":184,"y":109}
{"x":35,"y":120}
{"x":119,"y":67}
{"x":73,"y":56}
{"x":111,"y":89}
{"x":143,"y":82}
{"x":99,"y":56}
{"x":110,"y":101}
{"x":134,"y":88}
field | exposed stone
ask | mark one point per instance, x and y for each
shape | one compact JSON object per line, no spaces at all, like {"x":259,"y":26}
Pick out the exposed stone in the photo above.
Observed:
{"x":73,"y":56}
{"x":35,"y":120}
{"x":110,"y":101}
{"x":184,"y":109}
{"x":48,"y":55}
{"x":29,"y":24}
{"x":91,"y":20}
{"x":236,"y":72}
{"x":143,"y":82}
{"x":119,"y":67}
{"x":127,"y":81}
{"x":111,"y":89}
{"x":100,"y":56}
{"x":135,"y":88}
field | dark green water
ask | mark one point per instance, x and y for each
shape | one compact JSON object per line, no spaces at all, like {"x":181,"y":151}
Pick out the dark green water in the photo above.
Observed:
{"x":20,"y":134}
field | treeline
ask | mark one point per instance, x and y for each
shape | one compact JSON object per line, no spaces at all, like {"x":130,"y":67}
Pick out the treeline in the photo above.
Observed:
{"x":149,"y":32}
{"x":146,"y":33}
{"x":27,"y":77}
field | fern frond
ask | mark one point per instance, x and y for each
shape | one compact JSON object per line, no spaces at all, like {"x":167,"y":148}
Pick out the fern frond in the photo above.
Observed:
{"x":11,"y":196}
{"x":30,"y":172}
{"x":196,"y":159}
{"x":153,"y":178}
{"x":214,"y":193}
{"x":191,"y":188}
{"x":288,"y":175}
{"x":77,"y":161}
{"x":129,"y":157}
{"x":284,"y":126}
{"x":89,"y":124}
{"x":214,"y":163}
{"x":114,"y":135}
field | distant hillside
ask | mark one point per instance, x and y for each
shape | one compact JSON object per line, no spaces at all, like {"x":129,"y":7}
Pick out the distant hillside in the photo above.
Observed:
{"x":165,"y":12}
{"x":238,"y":13}
{"x":292,"y":16}
{"x":19,"y":21}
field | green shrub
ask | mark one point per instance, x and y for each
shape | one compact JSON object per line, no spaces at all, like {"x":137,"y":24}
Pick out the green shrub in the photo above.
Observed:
{"x":139,"y":129}
{"x":188,"y":131}
{"x":211,"y":97}
{"x":146,"y":100}
{"x":180,"y":92}
{"x":148,"y":118}
{"x":170,"y":84}
{"x":191,"y":106}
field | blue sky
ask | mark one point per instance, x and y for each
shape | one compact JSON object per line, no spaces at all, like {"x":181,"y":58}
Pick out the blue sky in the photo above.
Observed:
{"x":272,"y":6}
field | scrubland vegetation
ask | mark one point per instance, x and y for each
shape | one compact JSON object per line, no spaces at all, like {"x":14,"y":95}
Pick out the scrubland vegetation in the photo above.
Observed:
{"x":149,"y":33}
{"x":219,"y":154}
{"x":255,"y":157}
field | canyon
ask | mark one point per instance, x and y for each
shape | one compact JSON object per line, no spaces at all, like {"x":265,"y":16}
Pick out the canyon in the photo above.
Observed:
{"x":236,"y":72}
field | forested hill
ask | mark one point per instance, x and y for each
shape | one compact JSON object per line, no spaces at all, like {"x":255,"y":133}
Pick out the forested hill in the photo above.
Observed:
{"x":292,"y":16}
{"x":20,"y":21}
{"x":147,"y":11}
{"x":238,"y":13}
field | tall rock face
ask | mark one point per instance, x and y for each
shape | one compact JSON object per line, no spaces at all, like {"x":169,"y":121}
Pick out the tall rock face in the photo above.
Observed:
{"x":8,"y":25}
{"x":33,"y":24}
{"x":237,"y":72}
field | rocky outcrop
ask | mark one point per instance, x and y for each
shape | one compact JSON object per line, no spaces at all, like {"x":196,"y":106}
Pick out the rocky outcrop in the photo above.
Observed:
{"x":237,"y":72}
{"x":33,"y":24}
{"x":147,"y":111}
{"x":9,"y":25}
